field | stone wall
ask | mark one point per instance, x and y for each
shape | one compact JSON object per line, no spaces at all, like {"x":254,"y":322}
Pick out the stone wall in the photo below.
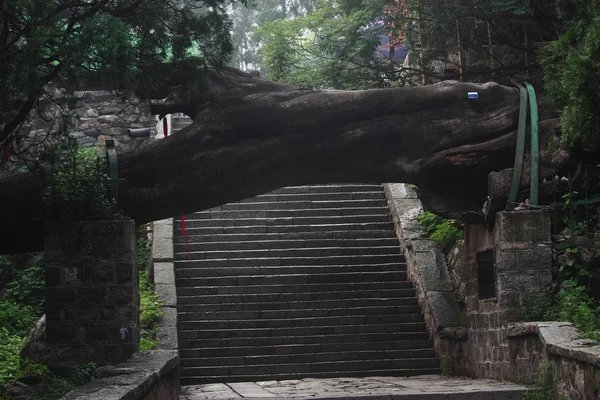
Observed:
{"x":493,"y":345}
{"x":94,"y":117}
{"x":427,"y":269}
{"x":149,"y":375}
{"x":92,"y":303}
{"x":100,"y":115}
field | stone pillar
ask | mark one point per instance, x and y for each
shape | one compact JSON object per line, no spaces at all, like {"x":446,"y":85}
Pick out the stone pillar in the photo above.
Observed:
{"x":523,"y":255}
{"x":92,"y":298}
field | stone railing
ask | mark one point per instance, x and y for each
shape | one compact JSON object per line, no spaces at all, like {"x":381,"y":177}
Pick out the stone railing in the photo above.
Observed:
{"x":575,"y":362}
{"x":148,"y":375}
{"x":427,"y":270}
{"x":494,"y":345}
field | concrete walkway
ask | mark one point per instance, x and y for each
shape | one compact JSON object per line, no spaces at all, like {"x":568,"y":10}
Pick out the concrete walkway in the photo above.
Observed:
{"x":429,"y":387}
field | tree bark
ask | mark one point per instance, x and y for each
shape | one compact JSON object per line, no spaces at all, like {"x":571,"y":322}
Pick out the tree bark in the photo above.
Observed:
{"x":252,"y":136}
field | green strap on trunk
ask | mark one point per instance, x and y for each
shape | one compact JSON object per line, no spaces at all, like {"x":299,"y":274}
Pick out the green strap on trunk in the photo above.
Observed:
{"x":516,"y":181}
{"x":526,"y":93}
{"x":535,"y":147}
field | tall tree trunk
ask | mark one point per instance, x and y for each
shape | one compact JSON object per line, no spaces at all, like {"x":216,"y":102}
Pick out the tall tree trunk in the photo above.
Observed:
{"x":251,"y":136}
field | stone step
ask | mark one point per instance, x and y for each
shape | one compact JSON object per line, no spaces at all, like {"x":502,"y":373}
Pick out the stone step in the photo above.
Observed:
{"x":309,"y":322}
{"x":289,"y":253}
{"x":304,"y":269}
{"x":180,"y":245}
{"x":335,"y":196}
{"x":333,"y":220}
{"x":304,"y":288}
{"x":183,"y":262}
{"x":297,"y":279}
{"x":403,"y":313}
{"x":401,"y":340}
{"x":216,"y":230}
{"x":308,"y":235}
{"x":312,"y":367}
{"x":357,"y":354}
{"x":301,"y":330}
{"x":299,"y":305}
{"x":410,"y":349}
{"x":209,"y":379}
{"x":330,"y":188}
{"x":301,"y":205}
{"x":189,"y":296}
{"x":318,"y":212}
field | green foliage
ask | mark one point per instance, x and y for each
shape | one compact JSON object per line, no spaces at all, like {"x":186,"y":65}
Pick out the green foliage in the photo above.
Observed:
{"x":10,"y":348}
{"x":543,"y":387}
{"x":150,"y":303}
{"x":329,"y":47}
{"x":571,"y":70}
{"x":28,"y":288}
{"x":17,"y":318}
{"x":447,"y":364}
{"x":443,"y":232}
{"x":572,"y":303}
{"x":576,"y":305}
{"x":77,"y":190}
{"x":539,"y":307}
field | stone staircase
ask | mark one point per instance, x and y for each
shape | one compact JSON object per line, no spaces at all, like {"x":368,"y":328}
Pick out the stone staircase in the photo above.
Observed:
{"x":301,"y":282}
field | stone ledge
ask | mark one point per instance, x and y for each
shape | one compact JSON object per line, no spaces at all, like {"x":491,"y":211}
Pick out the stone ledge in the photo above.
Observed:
{"x":131,"y":380}
{"x":427,"y":266}
{"x":457,"y":333}
{"x":561,"y":339}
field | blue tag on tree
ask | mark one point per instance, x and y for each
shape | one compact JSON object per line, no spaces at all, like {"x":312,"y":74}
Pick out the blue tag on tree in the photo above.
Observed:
{"x":473,"y":95}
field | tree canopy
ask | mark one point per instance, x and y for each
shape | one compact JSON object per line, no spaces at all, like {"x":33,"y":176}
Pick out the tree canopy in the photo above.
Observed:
{"x":141,"y":46}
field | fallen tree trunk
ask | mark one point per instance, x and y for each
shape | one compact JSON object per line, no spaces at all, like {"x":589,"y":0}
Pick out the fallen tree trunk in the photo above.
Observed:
{"x":251,"y":136}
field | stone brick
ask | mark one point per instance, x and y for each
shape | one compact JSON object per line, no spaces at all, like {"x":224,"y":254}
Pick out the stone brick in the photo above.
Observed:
{"x":97,"y":333}
{"x":107,"y":313}
{"x":52,"y":275}
{"x":82,"y":314}
{"x":99,"y":273}
{"x":523,"y":226}
{"x":121,"y":295}
{"x":506,"y":261}
{"x":70,"y":276}
{"x":535,"y":260}
{"x":509,"y":299}
{"x":520,"y":282}
{"x":59,"y":296}
{"x":92,"y":295}
{"x":125,"y":273}
{"x":432,"y":270}
{"x":54,"y":314}
{"x":111,"y":353}
{"x":63,"y":333}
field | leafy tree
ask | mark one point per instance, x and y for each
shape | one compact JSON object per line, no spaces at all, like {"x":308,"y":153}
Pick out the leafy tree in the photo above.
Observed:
{"x":332,"y":46}
{"x":141,"y":46}
{"x":572,"y":73}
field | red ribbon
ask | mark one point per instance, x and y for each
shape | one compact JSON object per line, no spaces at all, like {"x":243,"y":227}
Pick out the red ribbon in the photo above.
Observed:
{"x":184,"y":233}
{"x":165,"y":127}
{"x":5,"y":152}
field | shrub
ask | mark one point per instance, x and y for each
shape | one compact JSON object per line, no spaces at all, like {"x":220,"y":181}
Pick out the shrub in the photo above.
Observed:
{"x":16,"y":318}
{"x":543,"y":387}
{"x":443,"y":232}
{"x":77,"y":189}
{"x":28,"y":288}
{"x":539,"y":307}
{"x":447,"y":364}
{"x":575,"y":305}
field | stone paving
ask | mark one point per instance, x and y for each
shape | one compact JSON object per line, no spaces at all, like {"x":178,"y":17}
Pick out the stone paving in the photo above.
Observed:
{"x":427,"y":387}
